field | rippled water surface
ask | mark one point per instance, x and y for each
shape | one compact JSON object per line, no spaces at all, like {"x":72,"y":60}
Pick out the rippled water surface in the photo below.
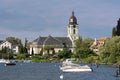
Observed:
{"x":50,"y":71}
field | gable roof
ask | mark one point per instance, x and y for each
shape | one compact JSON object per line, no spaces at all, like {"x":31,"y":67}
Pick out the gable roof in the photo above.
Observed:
{"x":53,"y":41}
{"x":1,"y":41}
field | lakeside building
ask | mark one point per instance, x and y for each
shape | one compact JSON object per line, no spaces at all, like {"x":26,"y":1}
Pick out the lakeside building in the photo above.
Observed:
{"x":97,"y":44}
{"x":11,"y":45}
{"x":52,"y":44}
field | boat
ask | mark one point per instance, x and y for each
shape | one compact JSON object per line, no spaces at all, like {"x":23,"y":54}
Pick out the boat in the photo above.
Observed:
{"x":2,"y":60}
{"x":27,"y":61}
{"x":9,"y":63}
{"x":69,"y":66}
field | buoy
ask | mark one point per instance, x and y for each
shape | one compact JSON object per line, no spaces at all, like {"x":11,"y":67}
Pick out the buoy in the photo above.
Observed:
{"x":61,"y":76}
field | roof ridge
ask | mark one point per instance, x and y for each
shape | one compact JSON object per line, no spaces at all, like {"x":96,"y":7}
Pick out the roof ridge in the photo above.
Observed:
{"x":58,"y":41}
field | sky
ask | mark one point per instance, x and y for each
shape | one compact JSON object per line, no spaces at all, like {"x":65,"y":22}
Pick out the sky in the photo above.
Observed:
{"x":33,"y":18}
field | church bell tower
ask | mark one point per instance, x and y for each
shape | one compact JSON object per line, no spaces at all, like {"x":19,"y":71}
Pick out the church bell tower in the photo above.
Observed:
{"x":73,"y":33}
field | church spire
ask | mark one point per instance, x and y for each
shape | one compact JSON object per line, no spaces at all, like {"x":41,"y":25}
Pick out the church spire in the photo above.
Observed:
{"x":72,"y":19}
{"x":73,"y":33}
{"x":72,"y":13}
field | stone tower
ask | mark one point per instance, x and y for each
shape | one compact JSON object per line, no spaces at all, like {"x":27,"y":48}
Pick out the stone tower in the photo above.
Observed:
{"x":73,"y":33}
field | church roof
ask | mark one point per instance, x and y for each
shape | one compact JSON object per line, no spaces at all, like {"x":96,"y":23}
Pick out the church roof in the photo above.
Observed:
{"x":53,"y":41}
{"x":73,"y":18}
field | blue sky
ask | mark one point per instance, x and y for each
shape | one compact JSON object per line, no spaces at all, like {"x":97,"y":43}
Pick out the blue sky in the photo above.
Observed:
{"x":34,"y":18}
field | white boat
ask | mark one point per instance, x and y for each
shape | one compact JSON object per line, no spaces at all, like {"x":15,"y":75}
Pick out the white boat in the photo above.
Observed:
{"x":3,"y":60}
{"x":68,"y":66}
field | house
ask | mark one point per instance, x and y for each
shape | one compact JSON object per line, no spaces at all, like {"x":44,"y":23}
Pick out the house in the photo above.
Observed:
{"x":56,"y":44}
{"x":12,"y":46}
{"x":98,"y":43}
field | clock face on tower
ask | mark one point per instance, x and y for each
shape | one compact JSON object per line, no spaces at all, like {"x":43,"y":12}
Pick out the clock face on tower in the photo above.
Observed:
{"x":71,"y":20}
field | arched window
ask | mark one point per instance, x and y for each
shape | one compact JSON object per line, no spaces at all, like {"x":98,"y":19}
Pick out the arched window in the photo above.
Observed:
{"x":74,"y":31}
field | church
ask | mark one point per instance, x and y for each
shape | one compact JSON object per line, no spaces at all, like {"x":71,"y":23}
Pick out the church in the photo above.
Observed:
{"x":50,"y":44}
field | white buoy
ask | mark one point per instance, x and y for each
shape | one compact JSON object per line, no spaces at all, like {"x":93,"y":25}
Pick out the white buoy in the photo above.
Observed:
{"x":61,"y":76}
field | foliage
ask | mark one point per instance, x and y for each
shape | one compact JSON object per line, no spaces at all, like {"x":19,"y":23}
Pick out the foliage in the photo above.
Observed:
{"x":78,"y":44}
{"x":17,"y":41}
{"x":40,"y":58}
{"x":6,"y":55}
{"x":114,"y":32}
{"x":5,"y":50}
{"x":82,"y":51}
{"x":49,"y":48}
{"x":64,"y":54}
{"x":110,"y":52}
{"x":82,"y":54}
{"x":14,"y":40}
{"x":32,"y":53}
{"x":22,"y":56}
{"x":88,"y":41}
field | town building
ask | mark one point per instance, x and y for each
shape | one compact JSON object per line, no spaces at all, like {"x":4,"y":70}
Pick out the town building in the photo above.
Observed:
{"x":51,"y":44}
{"x":97,"y":44}
{"x":12,"y":46}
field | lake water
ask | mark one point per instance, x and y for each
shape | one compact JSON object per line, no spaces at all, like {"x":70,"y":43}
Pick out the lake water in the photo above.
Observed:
{"x":50,"y":71}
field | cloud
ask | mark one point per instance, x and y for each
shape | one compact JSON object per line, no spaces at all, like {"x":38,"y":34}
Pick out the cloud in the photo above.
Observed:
{"x":31,"y":18}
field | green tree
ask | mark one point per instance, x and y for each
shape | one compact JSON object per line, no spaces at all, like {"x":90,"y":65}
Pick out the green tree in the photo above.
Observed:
{"x":21,"y":56}
{"x":14,"y":40}
{"x":5,"y":50}
{"x":18,"y":42}
{"x":110,"y":52}
{"x":88,"y":41}
{"x":25,"y":47}
{"x":78,"y":44}
{"x":49,"y":49}
{"x":32,"y":53}
{"x":114,"y":32}
{"x":65,"y":53}
{"x":82,"y":50}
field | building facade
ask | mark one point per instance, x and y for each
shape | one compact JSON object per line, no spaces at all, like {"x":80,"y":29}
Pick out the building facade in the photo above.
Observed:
{"x":50,"y":44}
{"x":97,"y":44}
{"x":12,"y":46}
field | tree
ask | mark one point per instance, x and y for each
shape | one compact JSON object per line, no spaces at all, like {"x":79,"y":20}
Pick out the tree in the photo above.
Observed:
{"x":25,"y":47}
{"x":78,"y":44}
{"x":14,"y":40}
{"x":114,"y":32}
{"x":110,"y":52}
{"x":18,"y":42}
{"x":82,"y":50}
{"x":32,"y":53}
{"x":21,"y":48}
{"x":88,"y":41}
{"x":65,"y":53}
{"x":49,"y":49}
{"x":5,"y":50}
